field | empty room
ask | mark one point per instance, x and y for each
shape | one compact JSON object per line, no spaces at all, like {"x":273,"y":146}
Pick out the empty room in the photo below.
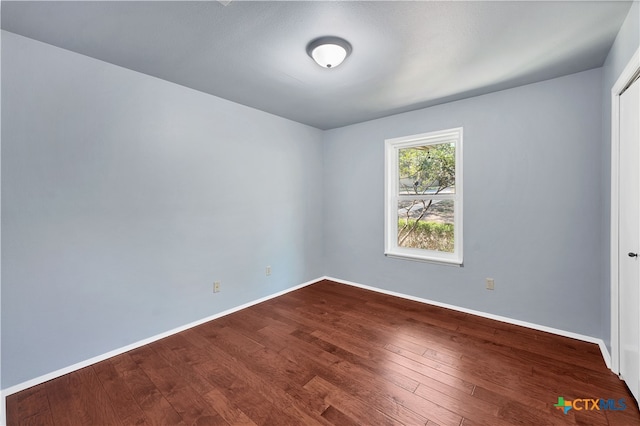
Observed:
{"x":320,"y":213}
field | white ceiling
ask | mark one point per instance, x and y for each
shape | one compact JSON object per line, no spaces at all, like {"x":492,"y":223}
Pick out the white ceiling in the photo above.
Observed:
{"x":406,"y":55}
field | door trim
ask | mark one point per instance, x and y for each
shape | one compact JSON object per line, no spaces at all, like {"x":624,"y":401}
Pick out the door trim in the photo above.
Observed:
{"x":625,"y":77}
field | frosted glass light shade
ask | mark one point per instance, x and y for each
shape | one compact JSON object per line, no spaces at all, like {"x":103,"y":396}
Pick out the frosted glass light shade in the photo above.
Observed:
{"x":329,"y":55}
{"x":329,"y":52}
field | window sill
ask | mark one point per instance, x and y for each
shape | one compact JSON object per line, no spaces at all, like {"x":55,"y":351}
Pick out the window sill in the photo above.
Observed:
{"x":426,"y":259}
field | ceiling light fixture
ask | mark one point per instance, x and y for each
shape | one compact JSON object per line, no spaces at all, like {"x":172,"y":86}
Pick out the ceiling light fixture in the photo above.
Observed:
{"x":329,"y":52}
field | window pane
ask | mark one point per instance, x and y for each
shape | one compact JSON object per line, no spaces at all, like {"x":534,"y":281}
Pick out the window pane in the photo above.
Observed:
{"x":429,"y":169}
{"x":426,"y":224}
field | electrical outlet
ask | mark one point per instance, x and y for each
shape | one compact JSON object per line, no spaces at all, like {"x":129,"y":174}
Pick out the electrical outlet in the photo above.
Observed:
{"x":216,"y":286}
{"x":490,"y":283}
{"x":268,"y":270}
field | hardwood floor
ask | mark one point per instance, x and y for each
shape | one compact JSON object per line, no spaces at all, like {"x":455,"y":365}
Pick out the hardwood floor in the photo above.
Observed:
{"x":332,"y":354}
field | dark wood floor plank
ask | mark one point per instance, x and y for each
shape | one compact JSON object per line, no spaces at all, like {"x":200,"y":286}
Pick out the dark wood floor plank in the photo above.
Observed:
{"x":40,"y":419}
{"x":624,"y":417}
{"x":31,"y":407}
{"x":437,"y":372}
{"x":356,"y":346}
{"x":282,"y":372}
{"x":155,"y":407}
{"x":331,"y":366}
{"x":354,"y":408}
{"x":182,"y":360}
{"x":337,"y":417}
{"x":78,"y":399}
{"x":259,"y":380}
{"x":189,"y":404}
{"x":231,"y":414}
{"x":94,"y":399}
{"x":14,"y":413}
{"x":377,"y":361}
{"x":122,"y":401}
{"x":453,"y":359}
{"x":465,"y":405}
{"x":482,"y":327}
{"x":563,"y":347}
{"x":336,"y":354}
{"x":239,"y":394}
{"x":64,"y":402}
{"x":472,"y":365}
{"x":536,"y":396}
{"x":385,"y":396}
{"x":256,"y":406}
{"x":515,"y":336}
{"x":327,"y":358}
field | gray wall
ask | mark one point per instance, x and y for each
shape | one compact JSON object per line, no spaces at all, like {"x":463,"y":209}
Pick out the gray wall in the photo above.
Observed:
{"x":124,"y":197}
{"x":532,"y":216}
{"x":626,"y":44}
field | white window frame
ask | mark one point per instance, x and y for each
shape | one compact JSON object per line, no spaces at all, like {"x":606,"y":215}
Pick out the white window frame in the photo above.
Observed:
{"x":392,"y":148}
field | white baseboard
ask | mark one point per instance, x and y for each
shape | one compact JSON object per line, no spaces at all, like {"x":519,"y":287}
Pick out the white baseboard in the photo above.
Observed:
{"x":61,"y":372}
{"x":564,"y":333}
{"x":605,"y":354}
{"x":44,"y":378}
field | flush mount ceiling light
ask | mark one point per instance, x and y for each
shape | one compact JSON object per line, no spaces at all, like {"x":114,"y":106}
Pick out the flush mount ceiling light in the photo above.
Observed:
{"x":329,"y":52}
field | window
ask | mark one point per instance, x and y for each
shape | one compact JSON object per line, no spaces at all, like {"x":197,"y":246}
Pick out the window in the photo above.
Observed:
{"x":423,"y":195}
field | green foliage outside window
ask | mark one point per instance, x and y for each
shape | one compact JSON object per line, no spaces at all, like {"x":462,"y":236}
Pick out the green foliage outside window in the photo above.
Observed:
{"x":426,"y":223}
